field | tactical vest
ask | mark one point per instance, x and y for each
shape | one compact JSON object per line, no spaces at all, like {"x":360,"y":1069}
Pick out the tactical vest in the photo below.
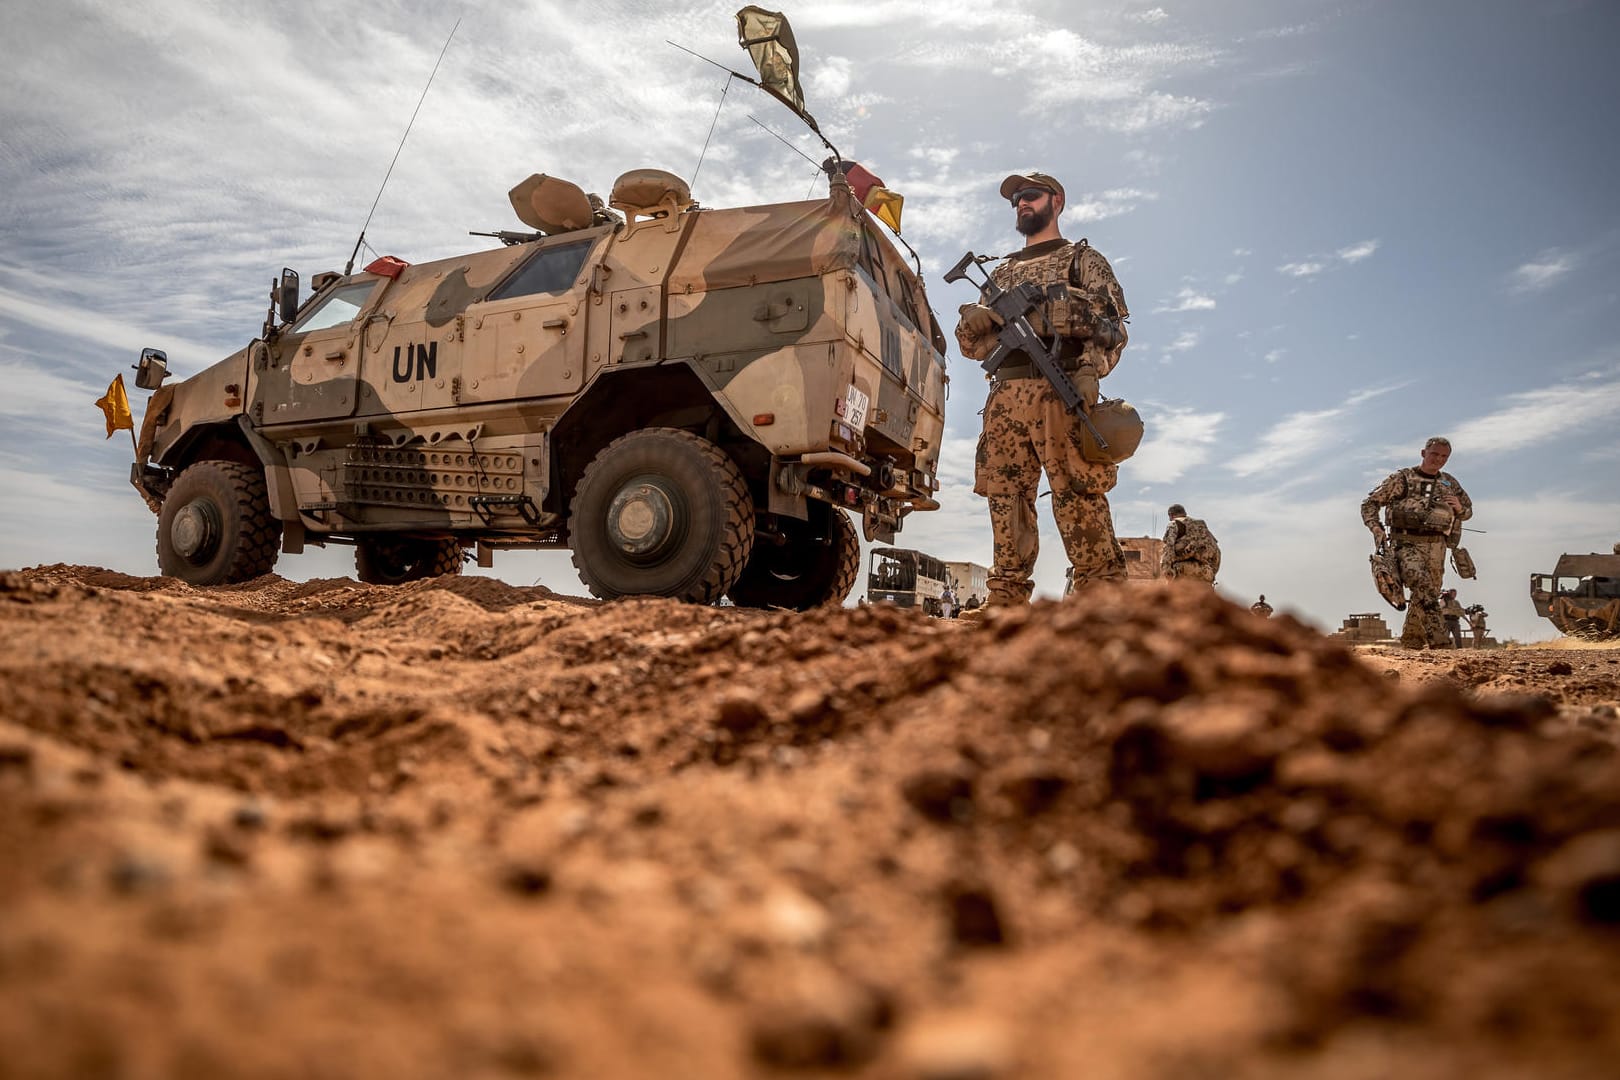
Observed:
{"x":1420,"y":506}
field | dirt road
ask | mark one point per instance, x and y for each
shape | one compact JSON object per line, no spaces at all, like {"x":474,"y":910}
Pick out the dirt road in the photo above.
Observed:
{"x":457,"y":828}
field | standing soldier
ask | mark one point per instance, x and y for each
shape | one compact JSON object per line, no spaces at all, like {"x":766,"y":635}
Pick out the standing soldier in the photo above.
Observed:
{"x":1453,"y":614}
{"x":1261,"y":608}
{"x":1476,"y":624}
{"x":1421,"y":504}
{"x":1026,"y":426}
{"x":1190,"y":550}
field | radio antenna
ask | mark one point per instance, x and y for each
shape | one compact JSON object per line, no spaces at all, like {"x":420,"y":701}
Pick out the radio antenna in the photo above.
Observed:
{"x":349,"y":266}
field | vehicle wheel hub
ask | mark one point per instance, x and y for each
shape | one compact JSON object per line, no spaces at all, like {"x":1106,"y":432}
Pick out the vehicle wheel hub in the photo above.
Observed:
{"x":641,"y":520}
{"x":195,"y":531}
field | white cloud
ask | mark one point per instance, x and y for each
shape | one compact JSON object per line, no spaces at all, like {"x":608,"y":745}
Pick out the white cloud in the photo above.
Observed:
{"x":1178,"y":439}
{"x":831,"y":77}
{"x":1356,"y":252}
{"x":1543,"y":271}
{"x":1275,"y":355}
{"x":1188,"y":300}
{"x":1187,"y":339}
{"x":1118,"y":84}
{"x":1301,"y":269}
{"x":1152,"y":16}
{"x":1295,"y":438}
{"x":1565,"y":411}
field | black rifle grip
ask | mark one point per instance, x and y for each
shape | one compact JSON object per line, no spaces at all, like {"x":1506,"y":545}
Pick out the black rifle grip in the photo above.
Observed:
{"x":959,"y":271}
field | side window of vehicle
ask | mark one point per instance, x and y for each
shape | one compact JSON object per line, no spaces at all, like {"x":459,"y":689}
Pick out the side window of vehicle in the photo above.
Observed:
{"x":340,"y":307}
{"x":553,"y":269}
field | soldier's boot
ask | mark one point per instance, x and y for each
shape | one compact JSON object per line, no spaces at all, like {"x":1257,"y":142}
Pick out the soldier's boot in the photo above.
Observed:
{"x":1004,"y":593}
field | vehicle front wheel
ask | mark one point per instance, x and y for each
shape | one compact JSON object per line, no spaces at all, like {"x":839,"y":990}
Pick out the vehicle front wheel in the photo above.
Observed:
{"x":661,"y":512}
{"x":393,"y":560}
{"x":215,"y":526}
{"x":810,"y":567}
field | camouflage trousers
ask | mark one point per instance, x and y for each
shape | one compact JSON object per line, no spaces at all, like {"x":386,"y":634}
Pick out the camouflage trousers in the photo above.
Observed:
{"x":1422,"y":567}
{"x":1026,"y":430}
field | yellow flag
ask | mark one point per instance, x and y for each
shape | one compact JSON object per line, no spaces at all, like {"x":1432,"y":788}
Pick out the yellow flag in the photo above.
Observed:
{"x":886,"y":205}
{"x":116,"y":405}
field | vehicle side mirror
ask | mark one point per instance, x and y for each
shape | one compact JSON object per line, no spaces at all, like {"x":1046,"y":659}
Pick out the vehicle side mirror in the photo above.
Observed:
{"x":287,"y":295}
{"x":152,"y":370}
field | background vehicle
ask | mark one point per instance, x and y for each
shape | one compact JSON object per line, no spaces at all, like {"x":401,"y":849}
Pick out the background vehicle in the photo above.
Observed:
{"x":970,"y":582}
{"x":1581,"y":596}
{"x":693,"y":401}
{"x":907,"y":578}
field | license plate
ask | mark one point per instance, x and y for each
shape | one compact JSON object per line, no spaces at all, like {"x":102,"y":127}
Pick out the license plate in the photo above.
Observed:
{"x":855,"y":405}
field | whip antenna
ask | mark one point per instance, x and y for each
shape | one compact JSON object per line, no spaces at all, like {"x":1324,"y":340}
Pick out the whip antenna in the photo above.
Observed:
{"x":349,"y":266}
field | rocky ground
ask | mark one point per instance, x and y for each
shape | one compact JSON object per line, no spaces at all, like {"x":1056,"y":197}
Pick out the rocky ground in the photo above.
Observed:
{"x":457,"y":828}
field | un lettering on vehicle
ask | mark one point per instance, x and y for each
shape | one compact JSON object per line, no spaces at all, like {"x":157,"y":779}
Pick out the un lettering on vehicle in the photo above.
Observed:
{"x":413,"y":361}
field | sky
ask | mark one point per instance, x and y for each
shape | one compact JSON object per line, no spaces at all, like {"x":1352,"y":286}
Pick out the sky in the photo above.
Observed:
{"x":1342,"y":226}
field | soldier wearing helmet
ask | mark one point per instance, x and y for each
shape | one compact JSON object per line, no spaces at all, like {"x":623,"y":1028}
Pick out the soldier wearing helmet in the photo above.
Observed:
{"x":1421,"y":504}
{"x":1026,"y":427}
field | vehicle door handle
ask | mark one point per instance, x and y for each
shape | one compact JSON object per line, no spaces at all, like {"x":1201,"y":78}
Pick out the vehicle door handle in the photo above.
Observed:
{"x":555,"y":324}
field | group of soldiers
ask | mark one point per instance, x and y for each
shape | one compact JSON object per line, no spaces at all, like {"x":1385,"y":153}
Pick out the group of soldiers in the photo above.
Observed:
{"x":1454,"y":614}
{"x":1028,"y":430}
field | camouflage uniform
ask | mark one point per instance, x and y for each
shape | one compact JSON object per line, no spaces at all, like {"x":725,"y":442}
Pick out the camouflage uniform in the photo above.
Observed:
{"x":1476,"y":626}
{"x":1261,"y":608}
{"x":1453,"y":614}
{"x":1190,"y":551}
{"x":1027,"y":429}
{"x":1418,"y":523}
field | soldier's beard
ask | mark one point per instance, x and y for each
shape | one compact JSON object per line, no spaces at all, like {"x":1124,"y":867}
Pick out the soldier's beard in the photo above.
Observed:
{"x":1034,"y":222}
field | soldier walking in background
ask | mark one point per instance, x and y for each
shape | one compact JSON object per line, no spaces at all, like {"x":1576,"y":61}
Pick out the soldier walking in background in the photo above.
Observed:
{"x":1453,"y":614}
{"x":1190,"y":549}
{"x":1026,"y":426}
{"x":1476,"y":622}
{"x":1261,"y":608}
{"x":1421,"y":504}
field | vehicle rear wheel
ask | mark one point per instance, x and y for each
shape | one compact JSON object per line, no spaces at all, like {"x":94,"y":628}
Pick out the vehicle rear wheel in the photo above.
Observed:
{"x":661,"y":512}
{"x":813,"y":566}
{"x":215,"y":526}
{"x":393,"y":560}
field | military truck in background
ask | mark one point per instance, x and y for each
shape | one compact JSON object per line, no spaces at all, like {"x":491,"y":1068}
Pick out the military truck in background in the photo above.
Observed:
{"x":1581,"y":596}
{"x":691,"y":400}
{"x":908,"y":578}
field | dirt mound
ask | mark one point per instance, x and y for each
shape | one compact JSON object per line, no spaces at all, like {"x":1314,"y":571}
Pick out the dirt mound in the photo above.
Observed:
{"x":456,"y":827}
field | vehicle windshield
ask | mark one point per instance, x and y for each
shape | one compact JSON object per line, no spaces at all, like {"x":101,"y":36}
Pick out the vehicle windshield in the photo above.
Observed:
{"x":337,"y":308}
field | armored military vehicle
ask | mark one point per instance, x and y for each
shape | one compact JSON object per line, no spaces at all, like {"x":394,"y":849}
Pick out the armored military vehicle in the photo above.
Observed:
{"x":692,"y":400}
{"x":1581,"y":596}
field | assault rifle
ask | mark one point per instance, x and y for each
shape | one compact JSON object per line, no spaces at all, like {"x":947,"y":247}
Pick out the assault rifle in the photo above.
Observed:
{"x":510,"y":238}
{"x":1017,"y":335}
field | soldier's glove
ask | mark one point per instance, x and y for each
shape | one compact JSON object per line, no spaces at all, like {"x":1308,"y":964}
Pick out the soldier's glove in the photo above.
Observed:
{"x":1087,"y":383}
{"x":978,"y":320}
{"x":1379,"y":536}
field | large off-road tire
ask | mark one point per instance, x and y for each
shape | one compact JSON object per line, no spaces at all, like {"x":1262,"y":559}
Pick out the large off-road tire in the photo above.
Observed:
{"x":814,"y":566}
{"x":215,"y":526}
{"x":392,"y":560}
{"x":661,"y":512}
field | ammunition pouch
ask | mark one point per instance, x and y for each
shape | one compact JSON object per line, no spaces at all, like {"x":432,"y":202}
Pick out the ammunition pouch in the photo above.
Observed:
{"x":1120,"y":424}
{"x":1077,"y":317}
{"x":1463,"y":563}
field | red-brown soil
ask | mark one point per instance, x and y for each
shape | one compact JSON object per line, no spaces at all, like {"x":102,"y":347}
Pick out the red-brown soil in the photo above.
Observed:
{"x":457,"y":828}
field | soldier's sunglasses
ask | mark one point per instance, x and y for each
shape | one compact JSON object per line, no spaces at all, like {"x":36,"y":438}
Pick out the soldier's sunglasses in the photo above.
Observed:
{"x":1029,"y":195}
